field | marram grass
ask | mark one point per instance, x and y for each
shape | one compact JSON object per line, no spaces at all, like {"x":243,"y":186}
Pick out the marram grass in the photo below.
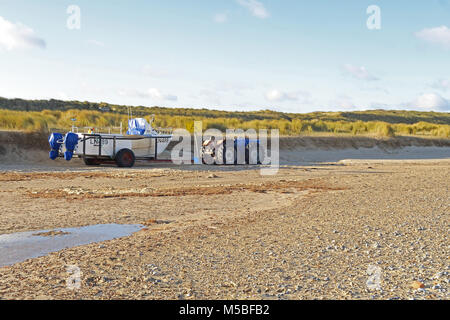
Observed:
{"x":331,"y":123}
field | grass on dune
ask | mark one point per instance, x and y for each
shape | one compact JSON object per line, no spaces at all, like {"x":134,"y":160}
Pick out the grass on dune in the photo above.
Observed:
{"x":42,"y":115}
{"x":323,"y":123}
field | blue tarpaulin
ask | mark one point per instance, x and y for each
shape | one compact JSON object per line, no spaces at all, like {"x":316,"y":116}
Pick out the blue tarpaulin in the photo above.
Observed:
{"x":137,"y":126}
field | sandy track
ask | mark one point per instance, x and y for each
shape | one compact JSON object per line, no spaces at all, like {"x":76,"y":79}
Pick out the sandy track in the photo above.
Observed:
{"x":308,"y":232}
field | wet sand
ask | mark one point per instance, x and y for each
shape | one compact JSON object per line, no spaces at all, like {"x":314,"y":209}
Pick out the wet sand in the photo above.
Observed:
{"x":310,"y":232}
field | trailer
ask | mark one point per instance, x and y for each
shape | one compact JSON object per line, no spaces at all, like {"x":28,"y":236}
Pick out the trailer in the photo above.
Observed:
{"x":141,"y":142}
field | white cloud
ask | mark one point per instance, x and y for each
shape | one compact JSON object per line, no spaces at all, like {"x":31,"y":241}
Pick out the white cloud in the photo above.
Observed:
{"x":96,"y":43}
{"x":237,"y":88}
{"x":154,"y":72}
{"x":359,"y":73}
{"x":62,"y":96}
{"x":276,"y":95}
{"x":152,"y":93}
{"x":424,"y":102}
{"x":210,"y":97}
{"x":431,"y":101}
{"x":221,"y":17}
{"x":255,"y":7}
{"x":18,"y":36}
{"x":439,"y":35}
{"x":382,"y":105}
{"x":441,"y":84}
{"x":156,"y":94}
{"x":343,"y":102}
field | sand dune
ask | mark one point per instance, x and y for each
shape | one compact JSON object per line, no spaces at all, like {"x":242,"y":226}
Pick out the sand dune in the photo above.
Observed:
{"x":22,"y":149}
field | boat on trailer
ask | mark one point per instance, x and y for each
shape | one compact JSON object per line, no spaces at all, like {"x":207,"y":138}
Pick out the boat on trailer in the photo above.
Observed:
{"x":141,"y":142}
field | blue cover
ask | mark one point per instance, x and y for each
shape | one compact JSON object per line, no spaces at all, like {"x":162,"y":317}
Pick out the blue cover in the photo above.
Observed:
{"x":136,"y":126}
{"x":70,"y":141}
{"x":55,"y":144}
{"x":53,"y":154}
{"x":244,"y":141}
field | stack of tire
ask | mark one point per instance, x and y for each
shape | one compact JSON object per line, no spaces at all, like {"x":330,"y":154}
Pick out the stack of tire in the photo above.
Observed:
{"x":226,"y":152}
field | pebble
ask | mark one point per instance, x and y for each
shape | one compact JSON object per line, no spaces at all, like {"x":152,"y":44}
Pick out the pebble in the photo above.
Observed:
{"x":417,"y":285}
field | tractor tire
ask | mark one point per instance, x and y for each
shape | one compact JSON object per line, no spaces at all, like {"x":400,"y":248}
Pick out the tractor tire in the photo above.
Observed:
{"x":91,"y":162}
{"x":221,"y":154}
{"x":125,"y":158}
{"x":254,"y":154}
{"x":204,"y":155}
{"x":251,"y":155}
{"x":261,"y":156}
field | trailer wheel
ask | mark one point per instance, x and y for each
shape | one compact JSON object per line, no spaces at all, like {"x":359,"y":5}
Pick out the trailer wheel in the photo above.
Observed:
{"x":91,"y":162}
{"x":125,"y":158}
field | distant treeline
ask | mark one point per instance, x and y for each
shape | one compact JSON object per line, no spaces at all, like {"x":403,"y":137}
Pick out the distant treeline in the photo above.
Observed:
{"x":34,"y":115}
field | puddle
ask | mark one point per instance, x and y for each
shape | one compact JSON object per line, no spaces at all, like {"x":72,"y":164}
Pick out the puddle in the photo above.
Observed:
{"x":18,"y":247}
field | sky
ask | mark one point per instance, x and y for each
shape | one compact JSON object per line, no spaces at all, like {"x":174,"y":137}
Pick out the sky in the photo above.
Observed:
{"x":284,"y":55}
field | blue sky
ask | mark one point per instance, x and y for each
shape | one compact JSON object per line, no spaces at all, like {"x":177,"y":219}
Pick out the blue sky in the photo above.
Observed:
{"x":294,"y":56}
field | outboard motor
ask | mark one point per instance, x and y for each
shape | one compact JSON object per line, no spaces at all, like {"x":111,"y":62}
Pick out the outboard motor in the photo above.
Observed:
{"x":55,"y":141}
{"x":70,"y":141}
